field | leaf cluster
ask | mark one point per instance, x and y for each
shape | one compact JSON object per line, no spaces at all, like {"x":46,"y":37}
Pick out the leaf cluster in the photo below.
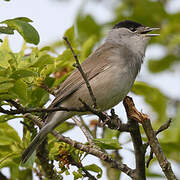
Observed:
{"x":23,"y":74}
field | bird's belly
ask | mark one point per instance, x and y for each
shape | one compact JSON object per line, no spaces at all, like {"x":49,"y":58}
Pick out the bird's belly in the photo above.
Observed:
{"x":110,"y":89}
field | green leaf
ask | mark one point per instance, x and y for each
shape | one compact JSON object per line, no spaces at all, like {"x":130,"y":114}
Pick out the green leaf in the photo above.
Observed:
{"x":47,"y":70}
{"x":46,"y":48}
{"x":5,"y":79}
{"x":25,"y":174}
{"x":112,"y":173}
{"x":22,"y":73}
{"x":8,"y":133}
{"x":87,"y":26}
{"x":154,"y":97}
{"x":27,"y":31}
{"x":10,"y":160}
{"x":88,"y":46}
{"x":39,"y":97}
{"x":65,"y":56}
{"x":5,"y":117}
{"x":14,"y":170}
{"x":4,"y":72}
{"x":20,"y":89}
{"x":94,"y":168}
{"x":154,"y":175}
{"x":25,"y":19}
{"x":43,"y":61}
{"x":170,"y":139}
{"x":110,"y":133}
{"x":53,"y":147}
{"x":5,"y":54}
{"x":171,"y":149}
{"x":49,"y":81}
{"x":64,"y":127}
{"x":77,"y":175}
{"x":65,"y":59}
{"x":5,"y":95}
{"x":4,"y":87}
{"x":6,"y":30}
{"x":156,"y":66}
{"x":67,"y":173}
{"x":107,"y":143}
{"x":5,"y":47}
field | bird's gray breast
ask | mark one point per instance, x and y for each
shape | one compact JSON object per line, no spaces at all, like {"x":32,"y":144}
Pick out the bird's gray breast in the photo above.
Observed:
{"x":124,"y":68}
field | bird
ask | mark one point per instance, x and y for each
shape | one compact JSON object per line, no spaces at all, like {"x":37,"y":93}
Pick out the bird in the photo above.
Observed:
{"x":111,"y":71}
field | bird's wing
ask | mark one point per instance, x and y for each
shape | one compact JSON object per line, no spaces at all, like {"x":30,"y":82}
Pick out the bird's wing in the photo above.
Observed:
{"x":90,"y":67}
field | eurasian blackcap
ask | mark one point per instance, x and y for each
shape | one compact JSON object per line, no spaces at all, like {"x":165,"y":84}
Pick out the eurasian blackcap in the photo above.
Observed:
{"x":111,"y":70}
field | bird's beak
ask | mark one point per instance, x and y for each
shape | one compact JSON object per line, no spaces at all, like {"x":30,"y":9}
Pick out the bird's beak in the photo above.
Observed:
{"x":146,"y":30}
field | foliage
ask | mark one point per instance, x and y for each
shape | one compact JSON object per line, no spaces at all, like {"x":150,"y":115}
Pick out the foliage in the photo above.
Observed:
{"x":22,"y":76}
{"x":21,"y":24}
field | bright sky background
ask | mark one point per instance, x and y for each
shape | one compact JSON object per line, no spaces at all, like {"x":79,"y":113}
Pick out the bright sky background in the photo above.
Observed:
{"x":52,"y":18}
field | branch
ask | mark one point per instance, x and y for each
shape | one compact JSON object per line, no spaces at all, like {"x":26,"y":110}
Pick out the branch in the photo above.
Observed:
{"x":80,"y":166}
{"x":86,"y":148}
{"x":3,"y":177}
{"x":156,"y":148}
{"x":137,"y":143}
{"x":84,"y":130}
{"x":112,"y":121}
{"x":82,"y":72}
{"x":86,"y":126}
{"x":153,"y":141}
{"x":38,"y":173}
{"x":149,"y":159}
{"x":14,"y":103}
{"x":43,"y":156}
{"x":96,"y":152}
{"x":22,"y":110}
{"x":162,"y":128}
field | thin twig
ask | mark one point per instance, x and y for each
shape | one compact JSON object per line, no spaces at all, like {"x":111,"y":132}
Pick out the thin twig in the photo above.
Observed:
{"x":85,"y":108}
{"x":153,"y":141}
{"x":80,"y":166}
{"x":109,"y":120}
{"x":82,"y":72}
{"x":156,"y":148}
{"x":84,"y":130}
{"x":86,"y":148}
{"x":86,"y":126}
{"x":41,"y":110}
{"x":162,"y":128}
{"x":149,"y":159}
{"x":14,"y":103}
{"x":3,"y":177}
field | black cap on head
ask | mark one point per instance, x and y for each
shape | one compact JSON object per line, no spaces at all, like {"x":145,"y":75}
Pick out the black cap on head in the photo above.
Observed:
{"x":131,"y":25}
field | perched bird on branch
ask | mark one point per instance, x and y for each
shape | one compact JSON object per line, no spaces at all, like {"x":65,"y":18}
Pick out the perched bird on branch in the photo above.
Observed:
{"x":111,"y":71}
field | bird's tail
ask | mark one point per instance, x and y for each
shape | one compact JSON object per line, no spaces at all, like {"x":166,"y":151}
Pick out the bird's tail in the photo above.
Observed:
{"x":52,"y":121}
{"x":34,"y":144}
